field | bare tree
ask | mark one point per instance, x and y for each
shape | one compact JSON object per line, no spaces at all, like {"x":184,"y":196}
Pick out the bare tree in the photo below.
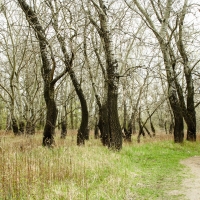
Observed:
{"x":112,"y":75}
{"x":48,"y":70}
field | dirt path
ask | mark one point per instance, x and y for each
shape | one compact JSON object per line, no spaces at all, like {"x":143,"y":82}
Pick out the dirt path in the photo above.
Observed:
{"x":191,"y":184}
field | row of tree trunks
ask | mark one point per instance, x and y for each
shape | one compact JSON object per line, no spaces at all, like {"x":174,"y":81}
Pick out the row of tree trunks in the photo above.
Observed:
{"x":175,"y":95}
{"x":22,"y":128}
{"x":48,"y":69}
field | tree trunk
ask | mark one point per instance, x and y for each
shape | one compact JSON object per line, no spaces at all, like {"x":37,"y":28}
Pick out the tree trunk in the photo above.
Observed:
{"x":84,"y":111}
{"x":191,"y":128}
{"x":15,"y":126}
{"x":63,"y":128}
{"x":96,"y":131}
{"x":189,"y":111}
{"x":114,"y":125}
{"x":51,"y":117}
{"x":71,"y":115}
{"x":166,"y":127}
{"x":30,"y":128}
{"x":127,"y":135}
{"x":8,"y":123}
{"x":141,"y":130}
{"x":48,"y":69}
{"x":146,"y":129}
{"x":21,"y":127}
{"x":115,"y":131}
{"x":178,"y":118}
{"x":125,"y":115}
{"x":134,"y":125}
{"x":87,"y":134}
{"x":103,"y":125}
{"x":172,"y":92}
{"x":151,"y":125}
{"x":171,"y":128}
{"x":190,"y":115}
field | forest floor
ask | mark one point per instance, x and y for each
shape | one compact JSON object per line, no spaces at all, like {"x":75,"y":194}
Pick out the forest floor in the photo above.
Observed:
{"x":191,"y":183}
{"x":155,"y":169}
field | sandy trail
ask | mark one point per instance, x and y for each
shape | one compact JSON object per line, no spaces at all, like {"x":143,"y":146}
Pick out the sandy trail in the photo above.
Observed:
{"x":191,"y":185}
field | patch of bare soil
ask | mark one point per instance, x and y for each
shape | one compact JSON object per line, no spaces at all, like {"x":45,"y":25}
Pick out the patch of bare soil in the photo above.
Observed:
{"x":191,"y":184}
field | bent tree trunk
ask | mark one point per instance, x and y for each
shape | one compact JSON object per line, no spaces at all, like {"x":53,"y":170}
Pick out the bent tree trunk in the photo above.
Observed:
{"x":82,"y":131}
{"x":48,"y":69}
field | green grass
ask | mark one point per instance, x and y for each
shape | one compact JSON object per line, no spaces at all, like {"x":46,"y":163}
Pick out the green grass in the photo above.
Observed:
{"x":149,"y":170}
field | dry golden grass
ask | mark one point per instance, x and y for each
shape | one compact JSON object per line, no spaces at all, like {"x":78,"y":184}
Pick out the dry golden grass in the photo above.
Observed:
{"x":29,"y":170}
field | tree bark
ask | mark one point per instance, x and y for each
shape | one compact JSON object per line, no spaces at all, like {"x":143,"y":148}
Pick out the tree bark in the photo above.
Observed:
{"x":71,"y":115}
{"x":21,"y":127}
{"x":47,"y":74}
{"x":96,"y":131}
{"x":103,"y":125}
{"x":63,"y":128}
{"x":30,"y":128}
{"x":15,"y":126}
{"x":84,"y":109}
{"x":125,"y":116}
{"x":178,"y":117}
{"x":51,"y":116}
{"x":115,"y":132}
